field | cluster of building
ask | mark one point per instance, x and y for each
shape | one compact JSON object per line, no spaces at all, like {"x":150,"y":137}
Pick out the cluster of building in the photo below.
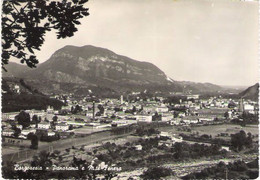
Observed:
{"x":108,"y":112}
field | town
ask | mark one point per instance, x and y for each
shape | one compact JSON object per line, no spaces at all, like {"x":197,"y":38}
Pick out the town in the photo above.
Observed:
{"x":130,"y":89}
{"x":91,"y":122}
{"x":81,"y":115}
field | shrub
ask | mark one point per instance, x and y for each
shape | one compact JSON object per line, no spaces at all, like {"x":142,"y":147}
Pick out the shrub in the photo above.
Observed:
{"x":156,"y":173}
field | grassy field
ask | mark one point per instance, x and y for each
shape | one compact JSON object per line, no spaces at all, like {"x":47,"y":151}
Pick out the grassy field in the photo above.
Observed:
{"x":10,"y":149}
{"x":214,"y":130}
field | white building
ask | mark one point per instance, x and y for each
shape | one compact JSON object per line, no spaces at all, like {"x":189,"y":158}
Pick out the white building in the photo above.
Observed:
{"x":44,"y":125}
{"x":248,"y":107}
{"x":193,"y":96}
{"x":175,"y":121}
{"x":19,"y":126}
{"x":138,"y":147}
{"x":74,"y":123}
{"x":9,"y":116}
{"x":167,"y":143}
{"x":164,"y":134}
{"x":8,"y":132}
{"x":206,"y":119}
{"x":17,"y":89}
{"x":62,"y":127}
{"x":190,"y":119}
{"x":144,"y":118}
{"x":25,"y":132}
{"x":162,"y":109}
{"x":177,"y":139}
{"x":167,"y":117}
{"x":148,"y":109}
{"x":89,"y":113}
{"x":182,"y":114}
{"x":51,"y":133}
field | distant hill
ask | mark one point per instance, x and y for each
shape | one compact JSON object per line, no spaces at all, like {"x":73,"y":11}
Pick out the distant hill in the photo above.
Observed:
{"x":19,"y":95}
{"x":251,"y":93}
{"x":74,"y":69}
{"x":15,"y":70}
{"x":200,"y":87}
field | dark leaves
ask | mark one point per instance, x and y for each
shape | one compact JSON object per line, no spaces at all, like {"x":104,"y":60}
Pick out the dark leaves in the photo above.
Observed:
{"x":85,"y":13}
{"x":76,"y":22}
{"x":83,"y":1}
{"x":30,"y":49}
{"x":24,"y":25}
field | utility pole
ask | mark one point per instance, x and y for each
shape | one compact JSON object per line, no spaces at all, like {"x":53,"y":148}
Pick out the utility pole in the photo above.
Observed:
{"x":226,"y":173}
{"x":93,"y":110}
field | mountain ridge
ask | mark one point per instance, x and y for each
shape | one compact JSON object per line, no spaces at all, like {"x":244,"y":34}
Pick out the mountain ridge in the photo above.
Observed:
{"x":251,"y":92}
{"x":102,"y":67}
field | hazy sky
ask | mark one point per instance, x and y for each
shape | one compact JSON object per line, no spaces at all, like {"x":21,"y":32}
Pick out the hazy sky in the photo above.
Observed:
{"x":193,"y":40}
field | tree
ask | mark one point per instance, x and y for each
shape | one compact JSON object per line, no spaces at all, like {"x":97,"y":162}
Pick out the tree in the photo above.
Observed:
{"x":34,"y":119}
{"x":76,"y":109}
{"x":157,"y":117}
{"x":25,"y":23}
{"x":101,"y":109}
{"x":238,"y":140}
{"x":54,"y":121}
{"x":226,"y":115}
{"x":179,"y":150}
{"x":23,"y":119}
{"x":134,"y":109}
{"x":55,"y":118}
{"x":30,"y":136}
{"x":34,"y":142}
{"x":17,"y":131}
{"x":140,"y":131}
{"x":249,"y":140}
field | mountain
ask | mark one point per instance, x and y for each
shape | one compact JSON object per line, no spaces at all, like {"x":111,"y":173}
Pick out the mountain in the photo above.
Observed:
{"x":89,"y":64}
{"x":15,"y":70}
{"x":19,"y":95}
{"x":251,"y":93}
{"x":74,"y":69}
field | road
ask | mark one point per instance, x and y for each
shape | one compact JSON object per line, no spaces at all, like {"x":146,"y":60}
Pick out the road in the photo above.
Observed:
{"x":61,"y":145}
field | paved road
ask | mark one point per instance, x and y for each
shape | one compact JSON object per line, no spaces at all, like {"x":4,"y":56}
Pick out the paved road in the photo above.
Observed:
{"x":62,"y":144}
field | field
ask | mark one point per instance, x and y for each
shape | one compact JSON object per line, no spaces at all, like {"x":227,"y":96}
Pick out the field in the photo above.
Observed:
{"x":89,"y":130}
{"x":10,"y":149}
{"x":214,"y":130}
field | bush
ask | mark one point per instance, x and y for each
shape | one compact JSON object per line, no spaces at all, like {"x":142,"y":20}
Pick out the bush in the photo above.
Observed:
{"x":49,"y":138}
{"x":253,"y":174}
{"x":156,"y":173}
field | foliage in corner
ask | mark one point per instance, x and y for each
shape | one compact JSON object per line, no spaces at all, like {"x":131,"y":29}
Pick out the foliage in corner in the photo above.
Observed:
{"x":25,"y":23}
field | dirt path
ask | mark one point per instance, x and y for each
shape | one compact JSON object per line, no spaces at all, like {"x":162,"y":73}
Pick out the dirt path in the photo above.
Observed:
{"x":185,"y":168}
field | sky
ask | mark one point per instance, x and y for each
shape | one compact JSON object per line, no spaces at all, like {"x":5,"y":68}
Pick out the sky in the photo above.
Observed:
{"x":212,"y":41}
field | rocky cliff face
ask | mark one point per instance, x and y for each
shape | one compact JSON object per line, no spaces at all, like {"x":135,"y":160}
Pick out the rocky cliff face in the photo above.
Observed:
{"x":89,"y":64}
